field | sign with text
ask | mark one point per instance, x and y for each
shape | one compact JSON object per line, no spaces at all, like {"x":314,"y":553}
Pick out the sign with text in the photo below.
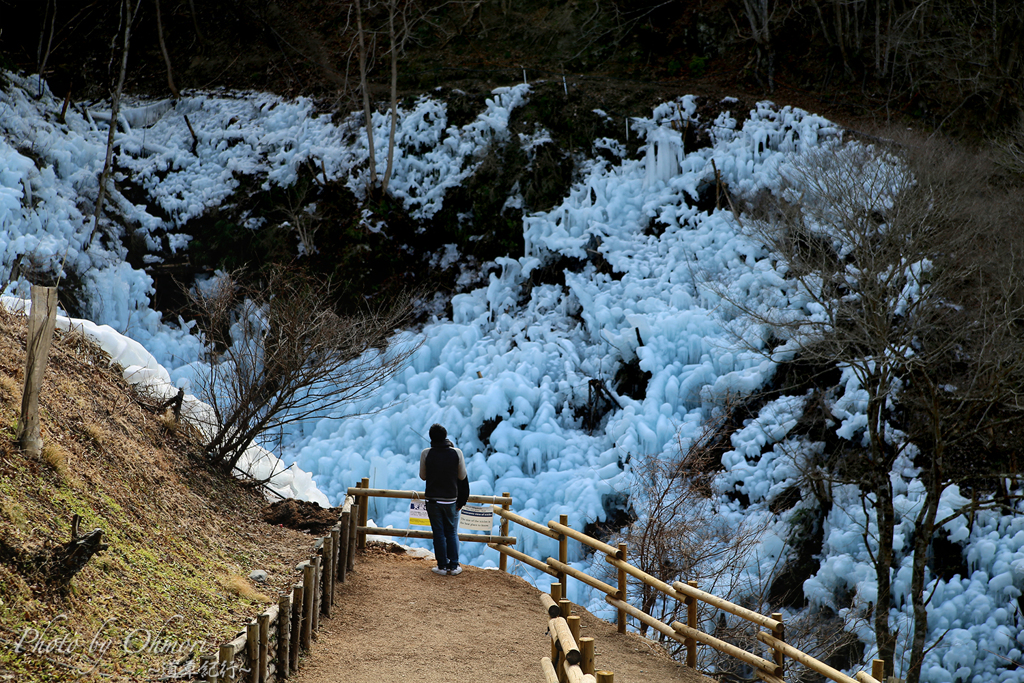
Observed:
{"x":476,"y":518}
{"x":418,"y":513}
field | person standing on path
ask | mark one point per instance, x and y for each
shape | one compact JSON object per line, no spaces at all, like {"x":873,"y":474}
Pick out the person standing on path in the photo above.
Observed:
{"x":443,"y":467}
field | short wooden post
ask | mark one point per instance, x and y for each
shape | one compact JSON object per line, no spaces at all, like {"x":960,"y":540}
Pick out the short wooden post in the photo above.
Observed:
{"x":353,"y":518}
{"x":780,"y":634}
{"x":335,"y":554}
{"x":307,"y":605}
{"x":620,"y":615}
{"x":40,"y":335}
{"x":587,"y":651}
{"x":503,"y":560}
{"x":252,"y":635}
{"x":343,"y":550}
{"x":691,"y":621}
{"x":284,"y":622}
{"x":227,"y":663}
{"x":317,"y":593}
{"x":878,"y":669}
{"x":297,"y":607}
{"x":605,"y":677}
{"x":264,"y":622}
{"x":208,"y":667}
{"x":574,"y":627}
{"x":364,"y":512}
{"x":563,"y":552}
{"x":327,"y":572}
{"x":556,"y":592}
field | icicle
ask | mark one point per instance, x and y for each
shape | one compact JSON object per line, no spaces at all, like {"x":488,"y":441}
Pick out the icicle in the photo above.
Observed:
{"x":524,"y":76}
{"x":564,"y":86}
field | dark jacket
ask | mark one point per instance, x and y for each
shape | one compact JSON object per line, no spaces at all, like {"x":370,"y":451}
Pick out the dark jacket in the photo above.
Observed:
{"x":444,"y":470}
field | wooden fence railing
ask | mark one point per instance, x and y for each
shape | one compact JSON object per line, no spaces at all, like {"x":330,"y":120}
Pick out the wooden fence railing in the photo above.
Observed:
{"x":268,"y":649}
{"x":363,"y":492}
{"x":572,"y":657}
{"x":770,"y":668}
{"x":567,"y":661}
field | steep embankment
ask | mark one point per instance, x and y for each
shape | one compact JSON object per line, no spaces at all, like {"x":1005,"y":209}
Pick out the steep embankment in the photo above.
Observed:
{"x":181,"y":540}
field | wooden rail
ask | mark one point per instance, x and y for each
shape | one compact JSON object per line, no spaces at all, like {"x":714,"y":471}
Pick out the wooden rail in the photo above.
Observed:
{"x":572,"y":657}
{"x":363,"y":493}
{"x":569,"y":656}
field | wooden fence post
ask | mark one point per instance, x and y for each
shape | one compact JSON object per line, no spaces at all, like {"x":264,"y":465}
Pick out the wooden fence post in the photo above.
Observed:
{"x":327,"y":571}
{"x":252,"y":632}
{"x":264,"y":622}
{"x":364,"y":512}
{"x":574,"y":627}
{"x":878,"y":669}
{"x":563,"y":553}
{"x":556,"y":592}
{"x":691,"y":621}
{"x":307,"y":605}
{"x":780,"y":634}
{"x":37,"y":348}
{"x":297,"y":607}
{"x":503,"y":558}
{"x":605,"y":677}
{"x":227,"y":663}
{"x":317,"y":592}
{"x":335,"y":554}
{"x":208,"y":667}
{"x":352,"y":541}
{"x":343,"y":548}
{"x":284,"y":640}
{"x":620,"y":615}
{"x":566,"y":607}
{"x":587,"y":651}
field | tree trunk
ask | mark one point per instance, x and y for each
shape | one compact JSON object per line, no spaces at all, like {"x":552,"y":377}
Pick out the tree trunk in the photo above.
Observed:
{"x":115,"y":109}
{"x":366,"y":94}
{"x":70,"y":558}
{"x":61,"y":564}
{"x":934,"y":484}
{"x":883,"y":569}
{"x":922,"y":541}
{"x":163,"y":50}
{"x":394,"y":96}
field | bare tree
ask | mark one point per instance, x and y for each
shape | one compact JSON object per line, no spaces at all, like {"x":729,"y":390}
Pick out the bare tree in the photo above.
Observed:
{"x":375,"y":19}
{"x":678,"y":535}
{"x":279,"y":354}
{"x":884,"y":245}
{"x":128,"y":15}
{"x":163,"y":50}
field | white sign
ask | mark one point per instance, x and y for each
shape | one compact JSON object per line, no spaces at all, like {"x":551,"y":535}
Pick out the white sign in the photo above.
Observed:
{"x":418,"y":513}
{"x":476,"y":518}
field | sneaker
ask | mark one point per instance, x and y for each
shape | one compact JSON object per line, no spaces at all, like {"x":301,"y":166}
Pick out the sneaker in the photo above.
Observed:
{"x":456,"y":571}
{"x":439,"y":571}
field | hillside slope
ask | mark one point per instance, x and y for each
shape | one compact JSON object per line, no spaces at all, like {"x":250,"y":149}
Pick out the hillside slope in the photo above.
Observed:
{"x":181,"y":540}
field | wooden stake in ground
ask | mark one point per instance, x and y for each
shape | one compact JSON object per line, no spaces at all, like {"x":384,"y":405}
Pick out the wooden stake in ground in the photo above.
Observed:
{"x":40,"y":334}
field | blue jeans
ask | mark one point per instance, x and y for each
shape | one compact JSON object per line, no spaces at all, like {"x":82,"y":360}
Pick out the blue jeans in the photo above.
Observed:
{"x":444,"y":523}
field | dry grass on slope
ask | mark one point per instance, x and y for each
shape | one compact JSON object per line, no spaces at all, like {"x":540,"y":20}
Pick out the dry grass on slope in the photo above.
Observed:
{"x":182,"y":540}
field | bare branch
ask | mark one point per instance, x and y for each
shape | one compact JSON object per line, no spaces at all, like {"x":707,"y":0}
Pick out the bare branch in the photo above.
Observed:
{"x":279,"y":354}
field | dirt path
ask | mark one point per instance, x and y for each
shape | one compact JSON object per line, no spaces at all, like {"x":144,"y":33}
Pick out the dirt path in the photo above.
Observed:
{"x":395,"y":620}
